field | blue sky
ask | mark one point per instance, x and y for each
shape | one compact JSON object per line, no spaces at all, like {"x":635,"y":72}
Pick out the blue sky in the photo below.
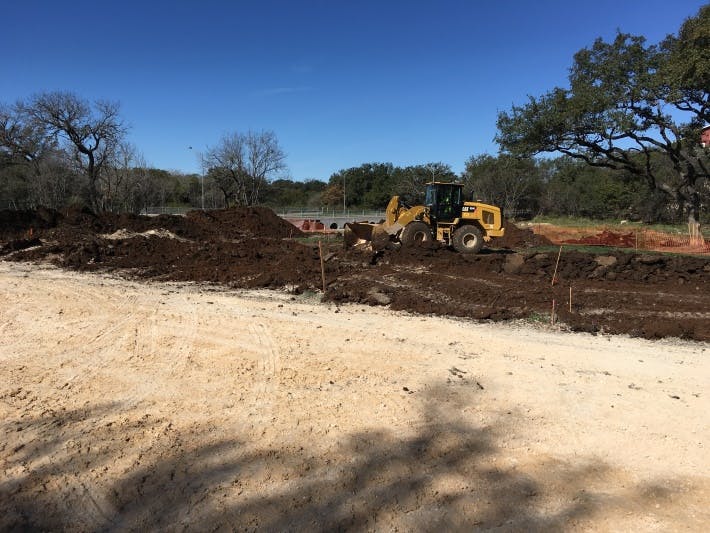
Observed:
{"x":340,"y":83}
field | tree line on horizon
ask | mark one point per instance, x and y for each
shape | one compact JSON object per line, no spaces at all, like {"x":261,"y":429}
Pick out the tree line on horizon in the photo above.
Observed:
{"x":623,"y":138}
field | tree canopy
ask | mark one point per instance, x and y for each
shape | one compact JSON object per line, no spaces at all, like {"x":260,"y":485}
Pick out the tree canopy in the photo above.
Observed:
{"x":509,"y":182}
{"x":629,"y":106}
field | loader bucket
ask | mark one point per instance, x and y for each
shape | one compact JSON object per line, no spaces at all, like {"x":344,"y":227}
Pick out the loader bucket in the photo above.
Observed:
{"x":357,"y":233}
{"x":363,"y":234}
{"x":380,"y":237}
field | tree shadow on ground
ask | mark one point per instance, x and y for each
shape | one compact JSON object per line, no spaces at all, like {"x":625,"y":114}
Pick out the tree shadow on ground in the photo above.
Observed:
{"x":103,"y":469}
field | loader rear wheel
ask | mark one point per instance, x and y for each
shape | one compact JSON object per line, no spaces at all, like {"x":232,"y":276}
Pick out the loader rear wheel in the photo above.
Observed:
{"x":416,"y":234}
{"x":467,"y":239}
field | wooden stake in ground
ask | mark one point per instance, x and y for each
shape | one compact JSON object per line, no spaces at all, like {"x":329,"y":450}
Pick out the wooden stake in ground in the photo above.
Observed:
{"x":695,"y":235}
{"x":554,"y":275}
{"x":552,"y":313}
{"x":322,"y":265}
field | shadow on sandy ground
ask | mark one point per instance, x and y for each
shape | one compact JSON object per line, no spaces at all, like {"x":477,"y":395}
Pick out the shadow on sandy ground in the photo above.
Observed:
{"x":99,"y":468}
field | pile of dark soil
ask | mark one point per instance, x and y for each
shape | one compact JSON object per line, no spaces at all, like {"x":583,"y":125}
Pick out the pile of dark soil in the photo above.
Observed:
{"x":640,"y":294}
{"x":237,"y":222}
{"x":249,"y":263}
{"x":607,"y":238}
{"x":516,"y":237}
{"x":222,"y":224}
{"x":19,"y":224}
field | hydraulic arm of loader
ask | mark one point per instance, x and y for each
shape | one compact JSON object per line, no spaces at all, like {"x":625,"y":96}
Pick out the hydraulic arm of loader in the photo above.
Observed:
{"x":396,"y":217}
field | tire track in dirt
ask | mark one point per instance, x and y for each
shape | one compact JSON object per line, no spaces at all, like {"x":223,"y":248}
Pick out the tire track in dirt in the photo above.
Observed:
{"x":266,"y":379}
{"x":193,"y":452}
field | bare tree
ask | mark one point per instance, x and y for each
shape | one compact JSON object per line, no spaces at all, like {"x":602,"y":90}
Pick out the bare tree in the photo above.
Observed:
{"x":54,"y":184}
{"x":242,"y":164}
{"x":126,"y":184}
{"x":222,"y":179}
{"x":92,"y":132}
{"x":34,"y":169}
{"x":21,"y":138}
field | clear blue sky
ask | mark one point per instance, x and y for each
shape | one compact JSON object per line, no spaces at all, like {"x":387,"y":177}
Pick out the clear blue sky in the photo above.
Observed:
{"x":340,"y":83}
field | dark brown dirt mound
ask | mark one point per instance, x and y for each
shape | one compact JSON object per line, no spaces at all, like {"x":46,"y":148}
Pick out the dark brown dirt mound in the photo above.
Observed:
{"x":607,"y":238}
{"x":236,"y":222}
{"x":20,"y":244}
{"x":641,"y":294}
{"x":18,"y":224}
{"x":516,"y":237}
{"x":248,"y":263}
{"x":224,"y":224}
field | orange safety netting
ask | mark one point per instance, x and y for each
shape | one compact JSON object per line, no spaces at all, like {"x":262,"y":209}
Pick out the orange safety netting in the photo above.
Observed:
{"x":635,"y":238}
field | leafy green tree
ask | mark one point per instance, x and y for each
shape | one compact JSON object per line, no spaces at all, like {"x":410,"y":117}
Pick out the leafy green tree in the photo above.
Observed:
{"x":686,"y":68}
{"x":289,"y":193}
{"x":576,"y":189}
{"x":621,"y":111}
{"x":369,"y":185}
{"x":332,"y":196}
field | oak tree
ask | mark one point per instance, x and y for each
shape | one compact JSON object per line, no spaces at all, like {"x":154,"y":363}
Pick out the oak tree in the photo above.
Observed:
{"x":629,"y":106}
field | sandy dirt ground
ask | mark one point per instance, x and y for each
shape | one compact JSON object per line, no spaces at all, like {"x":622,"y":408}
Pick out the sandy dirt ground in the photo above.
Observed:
{"x":136,"y":405}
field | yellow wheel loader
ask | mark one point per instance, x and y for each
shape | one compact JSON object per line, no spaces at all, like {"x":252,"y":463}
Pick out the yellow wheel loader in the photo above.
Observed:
{"x":446,"y":217}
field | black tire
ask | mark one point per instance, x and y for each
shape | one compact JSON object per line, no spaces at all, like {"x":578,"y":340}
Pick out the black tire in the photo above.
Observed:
{"x":416,"y":234}
{"x":467,"y":239}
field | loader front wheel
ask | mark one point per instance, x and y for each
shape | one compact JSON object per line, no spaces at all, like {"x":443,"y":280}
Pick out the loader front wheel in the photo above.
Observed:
{"x":416,"y":234}
{"x":467,"y":239}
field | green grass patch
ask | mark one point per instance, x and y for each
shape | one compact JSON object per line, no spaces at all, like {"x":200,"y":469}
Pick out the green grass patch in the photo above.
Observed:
{"x":600,"y":250}
{"x":603,"y":250}
{"x":570,"y":222}
{"x":325,"y":238}
{"x":538,"y":318}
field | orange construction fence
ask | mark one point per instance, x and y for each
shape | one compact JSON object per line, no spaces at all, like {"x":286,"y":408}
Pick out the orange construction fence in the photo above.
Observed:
{"x":691,"y":242}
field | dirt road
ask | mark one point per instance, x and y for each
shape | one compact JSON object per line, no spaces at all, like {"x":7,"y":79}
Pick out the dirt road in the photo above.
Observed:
{"x":130,"y":405}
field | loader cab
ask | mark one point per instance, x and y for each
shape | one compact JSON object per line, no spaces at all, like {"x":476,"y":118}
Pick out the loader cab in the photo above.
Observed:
{"x":444,"y":200}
